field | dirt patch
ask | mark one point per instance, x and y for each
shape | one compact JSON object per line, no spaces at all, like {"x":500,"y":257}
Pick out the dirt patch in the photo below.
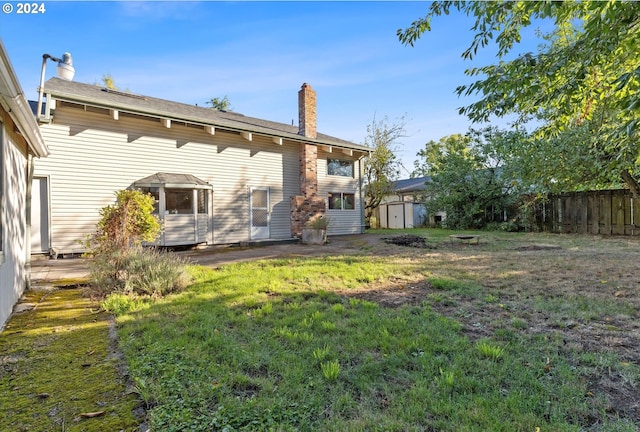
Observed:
{"x":409,"y":240}
{"x":393,"y":296}
{"x":538,"y":247}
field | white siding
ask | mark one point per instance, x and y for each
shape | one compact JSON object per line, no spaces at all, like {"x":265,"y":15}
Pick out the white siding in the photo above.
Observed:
{"x":12,"y":211}
{"x":391,"y":199}
{"x":342,"y":221}
{"x":92,"y":156}
{"x":203,"y":228}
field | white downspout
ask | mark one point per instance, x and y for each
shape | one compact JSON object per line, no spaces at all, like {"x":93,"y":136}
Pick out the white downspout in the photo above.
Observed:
{"x":27,"y":266}
{"x":363,"y":222}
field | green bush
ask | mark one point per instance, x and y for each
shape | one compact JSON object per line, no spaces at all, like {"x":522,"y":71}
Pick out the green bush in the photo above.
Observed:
{"x":128,"y":222}
{"x":156,"y":273}
{"x":139,"y":270}
{"x":120,"y":263}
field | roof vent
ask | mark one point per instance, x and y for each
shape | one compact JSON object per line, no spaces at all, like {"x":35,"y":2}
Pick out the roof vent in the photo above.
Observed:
{"x":119,"y":93}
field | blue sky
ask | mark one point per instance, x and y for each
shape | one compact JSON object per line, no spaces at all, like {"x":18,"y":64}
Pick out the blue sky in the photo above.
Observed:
{"x":259,"y":54}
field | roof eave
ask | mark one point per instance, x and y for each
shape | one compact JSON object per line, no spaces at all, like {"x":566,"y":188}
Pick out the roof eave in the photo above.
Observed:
{"x":200,"y":121}
{"x":15,"y":103}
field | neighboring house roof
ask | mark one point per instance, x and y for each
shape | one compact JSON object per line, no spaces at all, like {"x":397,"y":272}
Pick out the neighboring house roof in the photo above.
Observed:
{"x":97,"y":96}
{"x":410,"y":185}
{"x":15,"y":103}
{"x":172,"y":180}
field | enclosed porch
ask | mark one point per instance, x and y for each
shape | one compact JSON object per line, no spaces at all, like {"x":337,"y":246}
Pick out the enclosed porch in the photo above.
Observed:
{"x":183,"y":206}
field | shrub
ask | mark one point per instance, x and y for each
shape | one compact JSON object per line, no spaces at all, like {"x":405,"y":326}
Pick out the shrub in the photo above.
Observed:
{"x":120,"y":263}
{"x":128,"y":222}
{"x":139,"y":270}
{"x":318,"y":222}
{"x":156,"y":273}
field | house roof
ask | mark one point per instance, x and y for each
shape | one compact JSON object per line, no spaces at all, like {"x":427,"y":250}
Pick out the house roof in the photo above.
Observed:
{"x":15,"y":103}
{"x":410,"y":185}
{"x":170,"y":180}
{"x":97,"y":96}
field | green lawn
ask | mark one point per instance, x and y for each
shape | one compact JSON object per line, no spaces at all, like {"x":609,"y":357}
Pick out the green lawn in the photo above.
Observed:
{"x":523,"y":332}
{"x":298,"y":345}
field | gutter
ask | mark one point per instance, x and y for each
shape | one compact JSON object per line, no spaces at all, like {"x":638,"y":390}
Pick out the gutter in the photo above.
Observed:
{"x":19,"y":108}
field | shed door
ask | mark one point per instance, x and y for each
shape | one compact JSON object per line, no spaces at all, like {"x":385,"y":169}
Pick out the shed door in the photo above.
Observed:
{"x":396,"y":216}
{"x":259,"y":213}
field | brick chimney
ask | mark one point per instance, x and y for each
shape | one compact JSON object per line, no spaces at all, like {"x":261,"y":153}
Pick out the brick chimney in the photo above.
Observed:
{"x":308,"y":204}
{"x":307,"y":111}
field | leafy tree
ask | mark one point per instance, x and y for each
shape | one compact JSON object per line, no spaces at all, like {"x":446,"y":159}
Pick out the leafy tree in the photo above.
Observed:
{"x":109,"y":82}
{"x":220,"y":104}
{"x":382,"y":166}
{"x":128,"y":222}
{"x":560,"y":163}
{"x":582,"y":82}
{"x":467,"y":178}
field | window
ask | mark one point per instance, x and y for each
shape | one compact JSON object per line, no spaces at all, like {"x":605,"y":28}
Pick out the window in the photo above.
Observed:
{"x":342,"y":201}
{"x":202,"y":202}
{"x":340,"y":167}
{"x":179,"y":201}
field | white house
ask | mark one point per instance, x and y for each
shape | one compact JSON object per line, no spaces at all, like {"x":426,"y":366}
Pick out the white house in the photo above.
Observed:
{"x":20,"y":142}
{"x":218,"y":177}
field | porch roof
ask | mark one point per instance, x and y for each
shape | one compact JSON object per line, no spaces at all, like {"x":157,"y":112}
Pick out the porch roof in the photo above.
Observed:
{"x":173,"y":180}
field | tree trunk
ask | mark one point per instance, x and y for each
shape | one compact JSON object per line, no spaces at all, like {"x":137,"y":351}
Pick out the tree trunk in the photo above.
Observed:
{"x":631,"y":182}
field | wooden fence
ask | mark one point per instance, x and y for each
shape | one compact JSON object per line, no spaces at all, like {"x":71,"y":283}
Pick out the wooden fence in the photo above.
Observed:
{"x":606,"y":212}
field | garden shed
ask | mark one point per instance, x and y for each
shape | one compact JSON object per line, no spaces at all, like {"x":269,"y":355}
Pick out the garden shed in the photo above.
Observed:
{"x":405,"y":206}
{"x":182,"y":204}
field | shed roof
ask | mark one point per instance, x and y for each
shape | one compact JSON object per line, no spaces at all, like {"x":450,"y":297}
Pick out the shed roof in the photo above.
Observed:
{"x":410,"y":185}
{"x":94,"y":95}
